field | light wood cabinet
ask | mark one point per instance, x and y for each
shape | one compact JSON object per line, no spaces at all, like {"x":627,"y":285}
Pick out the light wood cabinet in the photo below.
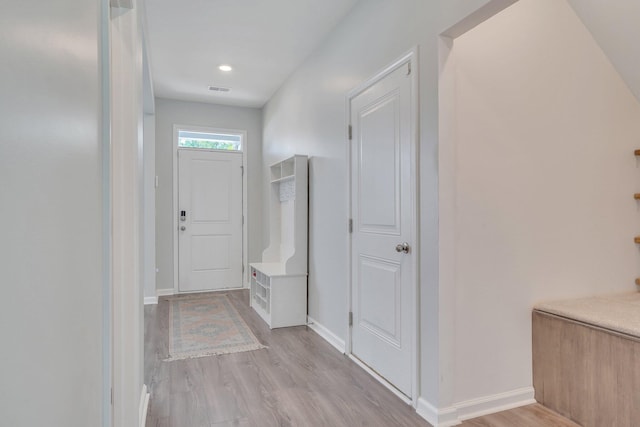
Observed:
{"x":586,"y":373}
{"x":279,"y":282}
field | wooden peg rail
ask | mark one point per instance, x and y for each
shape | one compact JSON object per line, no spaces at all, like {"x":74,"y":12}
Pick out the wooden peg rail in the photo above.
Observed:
{"x":637,"y":152}
{"x":638,"y":282}
{"x":637,"y":239}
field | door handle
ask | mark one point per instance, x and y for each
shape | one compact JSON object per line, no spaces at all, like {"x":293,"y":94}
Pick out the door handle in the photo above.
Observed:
{"x":402,"y":247}
{"x":182,"y":228}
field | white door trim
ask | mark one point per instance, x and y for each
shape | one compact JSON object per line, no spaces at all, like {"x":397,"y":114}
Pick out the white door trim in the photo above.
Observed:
{"x":245,"y":246}
{"x":410,"y":57}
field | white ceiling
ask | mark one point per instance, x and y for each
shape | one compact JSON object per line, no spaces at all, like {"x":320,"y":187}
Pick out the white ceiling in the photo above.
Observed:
{"x":264,"y":40}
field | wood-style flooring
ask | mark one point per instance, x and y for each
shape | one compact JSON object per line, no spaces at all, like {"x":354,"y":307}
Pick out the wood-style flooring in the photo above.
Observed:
{"x":299,"y":380}
{"x":527,"y":416}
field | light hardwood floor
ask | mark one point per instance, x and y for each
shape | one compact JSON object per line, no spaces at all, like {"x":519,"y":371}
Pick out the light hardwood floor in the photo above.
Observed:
{"x":300,"y":380}
{"x":527,"y":416}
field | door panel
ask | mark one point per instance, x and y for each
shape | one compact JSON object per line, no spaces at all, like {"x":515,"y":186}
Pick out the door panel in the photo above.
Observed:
{"x":210,"y":245}
{"x":380,"y":299}
{"x":210,"y":252}
{"x":379,"y":147}
{"x":381,"y":205}
{"x":211,"y":203}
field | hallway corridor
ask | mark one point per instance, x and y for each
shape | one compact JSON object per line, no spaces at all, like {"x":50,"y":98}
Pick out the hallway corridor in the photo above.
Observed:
{"x":300,"y":380}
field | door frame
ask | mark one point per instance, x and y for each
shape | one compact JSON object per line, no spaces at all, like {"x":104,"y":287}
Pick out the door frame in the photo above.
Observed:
{"x":244,"y":151}
{"x":411,"y":57}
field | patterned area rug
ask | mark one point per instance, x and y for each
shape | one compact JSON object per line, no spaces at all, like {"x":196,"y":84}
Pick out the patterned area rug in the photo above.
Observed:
{"x":207,"y":326}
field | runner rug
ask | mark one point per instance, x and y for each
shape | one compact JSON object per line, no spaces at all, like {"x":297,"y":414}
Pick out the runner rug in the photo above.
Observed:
{"x":207,"y":326}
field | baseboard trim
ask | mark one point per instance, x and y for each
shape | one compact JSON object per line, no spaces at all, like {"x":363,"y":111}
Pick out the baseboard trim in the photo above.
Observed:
{"x":326,"y":334}
{"x":455,"y":414}
{"x":150,"y":300}
{"x":165,"y":292}
{"x":144,"y":406}
{"x":437,"y":418}
{"x":496,"y":403}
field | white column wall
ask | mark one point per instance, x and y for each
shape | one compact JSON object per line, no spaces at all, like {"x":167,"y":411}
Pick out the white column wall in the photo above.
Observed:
{"x":150,"y":208}
{"x":545,"y":177}
{"x":51,"y":210}
{"x":127,"y":214}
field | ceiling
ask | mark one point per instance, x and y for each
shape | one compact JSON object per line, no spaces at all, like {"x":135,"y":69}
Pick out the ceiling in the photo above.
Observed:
{"x":263,"y":40}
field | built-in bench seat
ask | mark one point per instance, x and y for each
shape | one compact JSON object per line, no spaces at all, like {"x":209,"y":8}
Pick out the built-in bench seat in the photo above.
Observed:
{"x":617,"y":313}
{"x":586,"y":359}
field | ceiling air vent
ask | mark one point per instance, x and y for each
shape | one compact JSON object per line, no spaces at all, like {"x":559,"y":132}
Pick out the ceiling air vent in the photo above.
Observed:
{"x":219,"y":89}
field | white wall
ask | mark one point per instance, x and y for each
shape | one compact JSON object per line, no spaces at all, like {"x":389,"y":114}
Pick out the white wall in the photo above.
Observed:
{"x":545,"y":177}
{"x":149,"y":154}
{"x":307,"y":116}
{"x":127,"y":193}
{"x":149,"y":172}
{"x":614,"y":25}
{"x":51,"y":207}
{"x":170,"y":112}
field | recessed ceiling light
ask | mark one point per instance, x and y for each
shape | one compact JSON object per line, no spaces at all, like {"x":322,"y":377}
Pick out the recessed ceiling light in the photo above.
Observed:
{"x":225,"y":67}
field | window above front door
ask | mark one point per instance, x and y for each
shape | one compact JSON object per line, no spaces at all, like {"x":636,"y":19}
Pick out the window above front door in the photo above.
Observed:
{"x":209,"y":141}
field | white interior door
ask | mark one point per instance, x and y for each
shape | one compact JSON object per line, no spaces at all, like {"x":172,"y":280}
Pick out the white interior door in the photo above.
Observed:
{"x":210,"y":231}
{"x":381,"y":204}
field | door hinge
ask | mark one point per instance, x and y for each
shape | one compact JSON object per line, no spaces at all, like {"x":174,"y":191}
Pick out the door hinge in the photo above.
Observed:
{"x":242,"y":219}
{"x":351,"y":318}
{"x":112,"y":396}
{"x":350,"y":225}
{"x":350,"y":132}
{"x":243,"y":268}
{"x":408,"y":68}
{"x":242,"y":169}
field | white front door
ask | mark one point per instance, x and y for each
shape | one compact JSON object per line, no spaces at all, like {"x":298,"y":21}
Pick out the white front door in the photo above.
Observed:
{"x":383,"y":294}
{"x":209,"y":220}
